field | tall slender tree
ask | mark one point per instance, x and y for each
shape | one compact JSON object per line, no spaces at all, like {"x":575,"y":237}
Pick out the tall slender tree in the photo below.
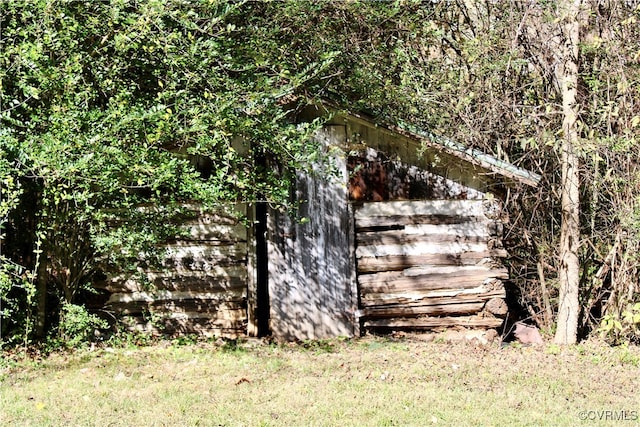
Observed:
{"x":569,"y":18}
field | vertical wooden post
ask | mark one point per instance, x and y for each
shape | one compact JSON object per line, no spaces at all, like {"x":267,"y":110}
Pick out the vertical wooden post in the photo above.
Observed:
{"x":41,"y":293}
{"x":262,"y":269}
{"x":252,"y":274}
{"x":355,"y":294}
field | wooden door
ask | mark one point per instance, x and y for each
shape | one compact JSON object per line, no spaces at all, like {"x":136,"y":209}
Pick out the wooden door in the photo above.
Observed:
{"x":310,"y":255}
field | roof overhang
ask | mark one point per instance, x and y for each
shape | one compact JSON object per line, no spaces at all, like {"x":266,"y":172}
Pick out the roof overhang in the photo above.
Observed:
{"x":473,"y":156}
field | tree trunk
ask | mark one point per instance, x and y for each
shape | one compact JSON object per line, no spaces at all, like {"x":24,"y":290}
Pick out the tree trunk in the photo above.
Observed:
{"x":567,"y":77}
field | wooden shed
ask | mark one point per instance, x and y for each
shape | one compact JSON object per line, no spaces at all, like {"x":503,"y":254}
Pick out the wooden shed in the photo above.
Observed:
{"x":402,"y":229}
{"x":407,"y":235}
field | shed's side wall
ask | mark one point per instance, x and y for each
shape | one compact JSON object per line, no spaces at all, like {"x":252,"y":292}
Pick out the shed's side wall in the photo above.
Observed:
{"x":429,"y":264}
{"x":203,"y":288}
{"x":310,"y":261}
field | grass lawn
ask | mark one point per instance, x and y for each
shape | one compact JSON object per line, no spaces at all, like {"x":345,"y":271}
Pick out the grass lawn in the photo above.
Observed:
{"x":365,"y":382}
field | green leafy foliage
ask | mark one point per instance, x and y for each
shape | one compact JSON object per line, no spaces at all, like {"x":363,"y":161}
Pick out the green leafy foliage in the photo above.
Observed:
{"x":77,"y":326}
{"x":623,"y":329}
{"x":105,"y":109}
{"x":17,"y":290}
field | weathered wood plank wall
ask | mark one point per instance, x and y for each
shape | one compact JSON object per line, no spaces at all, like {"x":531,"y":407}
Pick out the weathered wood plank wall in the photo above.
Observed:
{"x":311,"y":268}
{"x":429,"y":264}
{"x":203,"y":287}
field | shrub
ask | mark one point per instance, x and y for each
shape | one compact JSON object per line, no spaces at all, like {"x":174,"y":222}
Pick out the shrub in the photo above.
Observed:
{"x":77,"y":326}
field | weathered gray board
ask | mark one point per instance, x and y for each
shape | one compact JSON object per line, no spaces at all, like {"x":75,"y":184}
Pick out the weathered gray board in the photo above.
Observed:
{"x":204,"y":287}
{"x":429,"y":264}
{"x":311,"y":272}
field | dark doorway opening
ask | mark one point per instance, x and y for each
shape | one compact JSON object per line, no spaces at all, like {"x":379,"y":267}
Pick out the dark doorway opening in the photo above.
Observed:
{"x":262,"y":271}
